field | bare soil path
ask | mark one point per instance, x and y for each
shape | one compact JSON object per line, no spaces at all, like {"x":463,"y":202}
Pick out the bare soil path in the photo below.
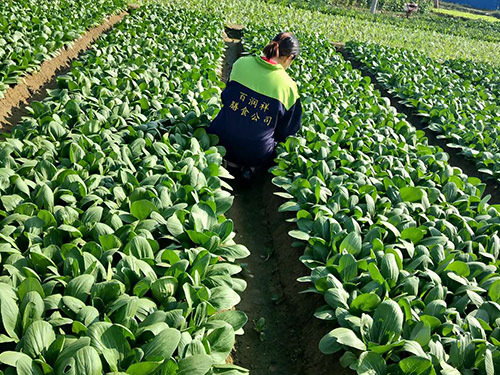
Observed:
{"x":282,"y":334}
{"x":33,"y":86}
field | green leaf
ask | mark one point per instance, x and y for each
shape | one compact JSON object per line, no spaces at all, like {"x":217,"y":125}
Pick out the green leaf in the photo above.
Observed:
{"x":415,"y":348}
{"x":232,"y":251}
{"x":80,"y":287}
{"x":387,"y":323}
{"x":412,"y":234}
{"x":29,"y":284}
{"x":92,"y":215}
{"x":87,"y":361}
{"x":421,"y":333}
{"x":38,"y":338}
{"x":143,"y":368}
{"x":109,"y":242}
{"x":375,"y":273}
{"x":164,"y":287}
{"x":45,"y":198}
{"x":221,"y":343}
{"x":175,"y":226}
{"x":459,"y":267}
{"x":9,"y":310}
{"x":66,"y":356}
{"x":352,"y":243}
{"x":10,"y":202}
{"x":348,"y":267}
{"x":198,"y":364}
{"x":494,"y":291}
{"x":111,"y":340}
{"x":26,"y":366}
{"x":366,"y":302}
{"x":140,"y":248}
{"x":10,"y":358}
{"x":389,"y":268}
{"x":488,"y":363}
{"x":163,"y":345}
{"x":142,"y":209}
{"x":299,"y":235}
{"x":32,"y":308}
{"x":237,"y":319}
{"x":411,"y":194}
{"x":369,"y":362}
{"x":415,"y":366}
{"x":224,"y":298}
{"x":337,"y":297}
{"x":329,"y":344}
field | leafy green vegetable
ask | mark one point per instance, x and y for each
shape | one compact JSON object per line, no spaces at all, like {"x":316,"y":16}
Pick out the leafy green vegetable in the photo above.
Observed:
{"x":116,"y":256}
{"x":404,"y":248}
{"x":34,"y":31}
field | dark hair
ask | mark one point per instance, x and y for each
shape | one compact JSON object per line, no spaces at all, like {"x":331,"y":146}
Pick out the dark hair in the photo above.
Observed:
{"x":283,"y":44}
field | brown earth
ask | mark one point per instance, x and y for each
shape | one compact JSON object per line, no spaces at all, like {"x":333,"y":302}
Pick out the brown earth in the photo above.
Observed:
{"x":31,"y":86}
{"x":289,"y":343}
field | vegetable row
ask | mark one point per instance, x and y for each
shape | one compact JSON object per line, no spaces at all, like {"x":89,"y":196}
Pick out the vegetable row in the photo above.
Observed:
{"x":343,"y":28}
{"x":402,"y":246}
{"x":461,"y":105}
{"x":32,"y":31}
{"x":429,"y":22}
{"x":115,"y":254}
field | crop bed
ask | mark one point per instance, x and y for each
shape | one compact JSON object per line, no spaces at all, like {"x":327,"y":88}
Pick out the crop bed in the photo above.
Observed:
{"x":116,"y":256}
{"x":402,"y":246}
{"x":424,"y":22}
{"x":458,"y":100}
{"x":343,"y":28}
{"x":32,"y":31}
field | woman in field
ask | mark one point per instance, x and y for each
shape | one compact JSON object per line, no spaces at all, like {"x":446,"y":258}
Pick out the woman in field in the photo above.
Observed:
{"x":261,"y":106}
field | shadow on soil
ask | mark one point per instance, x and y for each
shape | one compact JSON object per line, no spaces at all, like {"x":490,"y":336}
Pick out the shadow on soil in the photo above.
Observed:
{"x":19,"y":112}
{"x":288,"y":345}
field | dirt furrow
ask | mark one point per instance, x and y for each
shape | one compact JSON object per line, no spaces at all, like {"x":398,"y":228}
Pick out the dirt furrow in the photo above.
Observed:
{"x":33,"y":86}
{"x":282,"y":334}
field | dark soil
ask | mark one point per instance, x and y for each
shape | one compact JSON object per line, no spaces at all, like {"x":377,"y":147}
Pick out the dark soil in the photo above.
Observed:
{"x":468,"y":166}
{"x":34,"y":86}
{"x":289,"y":343}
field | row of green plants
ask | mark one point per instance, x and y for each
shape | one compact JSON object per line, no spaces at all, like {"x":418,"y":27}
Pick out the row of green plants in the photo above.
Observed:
{"x":485,"y":75}
{"x":461,"y":108}
{"x":353,"y":7}
{"x":115,"y":253}
{"x":423,"y":21}
{"x":402,"y":246}
{"x":32,"y":31}
{"x":342,"y":28}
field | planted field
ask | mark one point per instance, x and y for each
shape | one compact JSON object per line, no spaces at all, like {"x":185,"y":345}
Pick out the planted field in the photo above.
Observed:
{"x":117,"y":254}
{"x":467,"y":15}
{"x":401,"y":244}
{"x":433,"y":42}
{"x":32,"y":31}
{"x":459,"y":102}
{"x":482,"y":28}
